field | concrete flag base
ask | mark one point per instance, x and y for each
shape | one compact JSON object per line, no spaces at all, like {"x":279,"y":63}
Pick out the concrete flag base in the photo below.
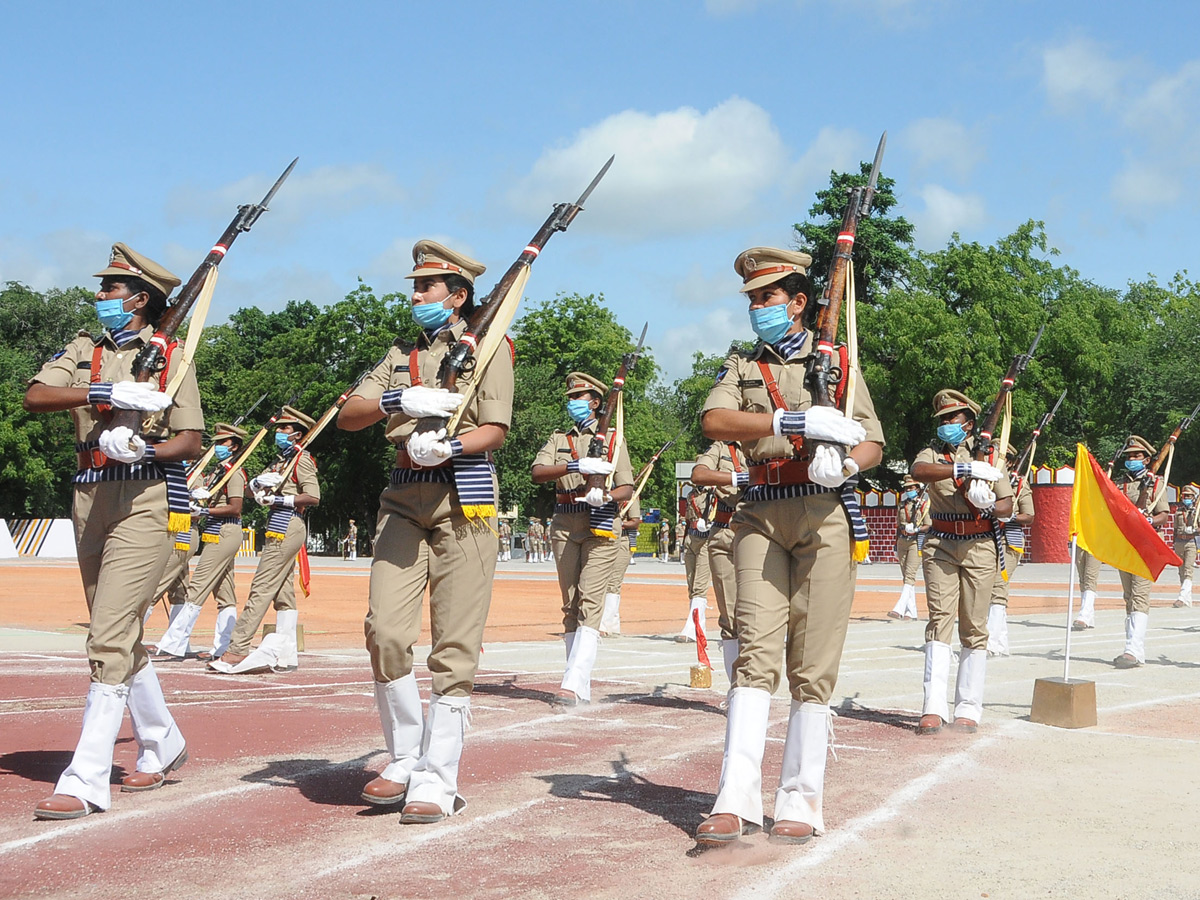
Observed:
{"x":1064,"y":703}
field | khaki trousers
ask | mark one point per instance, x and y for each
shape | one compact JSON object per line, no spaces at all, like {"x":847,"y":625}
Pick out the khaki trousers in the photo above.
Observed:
{"x":1137,"y":593}
{"x":1187,"y":552}
{"x":584,"y":562}
{"x":958,"y":580}
{"x":1088,"y":568}
{"x":695,"y":563}
{"x":175,"y":576}
{"x":423,"y":540}
{"x":724,"y":578}
{"x":214,"y":572}
{"x":620,"y":565}
{"x":273,"y":584}
{"x":795,"y":584}
{"x":122,"y":543}
{"x":1012,"y":559}
{"x":909,"y":556}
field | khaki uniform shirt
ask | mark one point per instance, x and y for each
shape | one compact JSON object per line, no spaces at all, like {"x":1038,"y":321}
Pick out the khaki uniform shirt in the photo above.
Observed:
{"x":1184,"y":518}
{"x":718,"y":458}
{"x":73,"y":368}
{"x":233,"y":488}
{"x":740,"y":386}
{"x":1132,"y":489}
{"x":557,"y":451}
{"x":303,"y":479}
{"x":914,"y":511}
{"x":491,"y":404}
{"x":944,"y":495}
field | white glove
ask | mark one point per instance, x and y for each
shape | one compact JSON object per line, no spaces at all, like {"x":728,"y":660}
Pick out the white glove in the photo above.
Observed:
{"x":824,"y":423}
{"x":977,"y":469}
{"x":420,"y":402}
{"x":266,"y":481}
{"x":589,"y":465}
{"x":910,"y":528}
{"x":201,"y":494}
{"x":198,"y":510}
{"x":429,"y":448}
{"x":139,"y":395}
{"x":979,"y":494}
{"x":828,"y":466}
{"x":122,"y":444}
{"x":1189,"y":531}
{"x":595,"y":497}
{"x":702,"y":526}
{"x":263,"y":498}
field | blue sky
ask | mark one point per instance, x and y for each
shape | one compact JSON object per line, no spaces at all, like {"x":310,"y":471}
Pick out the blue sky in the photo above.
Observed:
{"x":465,"y":122}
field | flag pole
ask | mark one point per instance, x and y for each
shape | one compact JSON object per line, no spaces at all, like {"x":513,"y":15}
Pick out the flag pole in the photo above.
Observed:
{"x":1070,"y":607}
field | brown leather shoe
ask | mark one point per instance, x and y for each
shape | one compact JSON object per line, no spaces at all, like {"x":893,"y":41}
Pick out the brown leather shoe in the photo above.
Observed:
{"x":786,"y":832}
{"x":722,"y":828}
{"x":929,"y":724}
{"x":150,"y":781}
{"x":1179,"y":604}
{"x":1126,"y":661}
{"x":62,"y":806}
{"x":892,"y":614}
{"x":206,"y":656}
{"x":563,"y":697}
{"x":420,"y":812}
{"x":1077,"y":625}
{"x":968,"y":726}
{"x":684,"y":639}
{"x":382,"y":792}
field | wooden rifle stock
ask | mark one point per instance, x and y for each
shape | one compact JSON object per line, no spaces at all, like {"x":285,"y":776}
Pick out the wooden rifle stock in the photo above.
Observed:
{"x":197,"y":469}
{"x":251,"y":446}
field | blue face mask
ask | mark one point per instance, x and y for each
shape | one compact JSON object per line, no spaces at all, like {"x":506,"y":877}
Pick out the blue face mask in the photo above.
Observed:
{"x":222,"y":453}
{"x":953,"y":433}
{"x":1134,"y":466}
{"x":431,"y":316}
{"x":283,"y":441}
{"x":112,"y":314}
{"x":579,"y":410}
{"x":1187,"y":501}
{"x":910,"y":495}
{"x":770,"y":322}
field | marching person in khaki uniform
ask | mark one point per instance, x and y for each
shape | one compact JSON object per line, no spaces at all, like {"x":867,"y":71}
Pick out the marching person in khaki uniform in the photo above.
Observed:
{"x":221,"y":539}
{"x":436,"y":530}
{"x":583,"y":554}
{"x":1148,"y":493}
{"x":274,"y":583}
{"x":533,"y":540}
{"x":680,"y":535}
{"x":1014,"y":549}
{"x":960,"y":560}
{"x":698,"y":511}
{"x":1185,"y":541}
{"x":631,"y":521}
{"x":723,"y":467}
{"x":1088,"y":568}
{"x":912,"y":526}
{"x":506,"y":535}
{"x":351,"y":541}
{"x":130,"y":496}
{"x":664,"y":539}
{"x":797,"y":533}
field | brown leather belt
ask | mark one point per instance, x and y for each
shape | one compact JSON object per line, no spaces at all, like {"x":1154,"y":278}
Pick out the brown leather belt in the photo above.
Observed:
{"x":566,"y":498}
{"x":962,"y":527}
{"x":404,"y":461}
{"x":93,"y":459}
{"x":723,"y":516}
{"x":780,"y":471}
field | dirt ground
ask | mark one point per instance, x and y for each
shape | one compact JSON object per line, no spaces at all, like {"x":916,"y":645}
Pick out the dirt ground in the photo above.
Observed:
{"x":601,"y":802}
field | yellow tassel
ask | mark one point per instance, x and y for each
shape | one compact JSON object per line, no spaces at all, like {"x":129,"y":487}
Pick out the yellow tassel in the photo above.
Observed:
{"x":600,"y":532}
{"x":179,"y":522}
{"x":210,"y":538}
{"x":275,"y":536}
{"x":480,"y":511}
{"x":861,"y":549}
{"x":185,"y":547}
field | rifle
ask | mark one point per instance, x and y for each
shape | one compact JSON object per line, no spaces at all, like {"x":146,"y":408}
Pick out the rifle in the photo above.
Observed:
{"x":198,"y":469}
{"x":152,"y":358}
{"x":1020,"y":361}
{"x":241,"y":458}
{"x":639,"y":483}
{"x":598,"y":447}
{"x":1026,"y":457}
{"x":462,"y":356}
{"x":1170,"y":442}
{"x":823,"y":375}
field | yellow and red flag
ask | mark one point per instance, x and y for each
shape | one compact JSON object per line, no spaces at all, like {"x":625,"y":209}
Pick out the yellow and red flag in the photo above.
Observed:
{"x":305,"y":571}
{"x":1108,"y":526}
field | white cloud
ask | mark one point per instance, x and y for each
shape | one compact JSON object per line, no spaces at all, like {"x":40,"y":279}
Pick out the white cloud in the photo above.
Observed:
{"x":675,"y":172}
{"x":832,"y":149}
{"x":942,"y":144}
{"x":701,"y":287}
{"x":321,"y":192}
{"x":711,"y":334}
{"x":1142,"y":187}
{"x":1165,"y":111}
{"x":1079,"y":72}
{"x":396,"y":261}
{"x":61,"y":259}
{"x":946,"y":212}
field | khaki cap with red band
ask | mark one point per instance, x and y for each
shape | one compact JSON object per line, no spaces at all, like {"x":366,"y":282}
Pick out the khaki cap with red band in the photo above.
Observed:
{"x":947,"y":401}
{"x":225,"y":430}
{"x":125,"y":262}
{"x":432,"y":259}
{"x":1138,"y":443}
{"x":761,"y":266}
{"x":293,"y":416}
{"x":582,"y":383}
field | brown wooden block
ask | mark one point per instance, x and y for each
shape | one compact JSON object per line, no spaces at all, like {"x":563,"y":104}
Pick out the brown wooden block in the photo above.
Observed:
{"x":270,"y":629}
{"x":701,"y":677}
{"x":1064,"y":704}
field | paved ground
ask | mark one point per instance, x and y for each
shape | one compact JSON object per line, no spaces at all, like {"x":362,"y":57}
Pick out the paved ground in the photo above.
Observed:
{"x":601,"y":802}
